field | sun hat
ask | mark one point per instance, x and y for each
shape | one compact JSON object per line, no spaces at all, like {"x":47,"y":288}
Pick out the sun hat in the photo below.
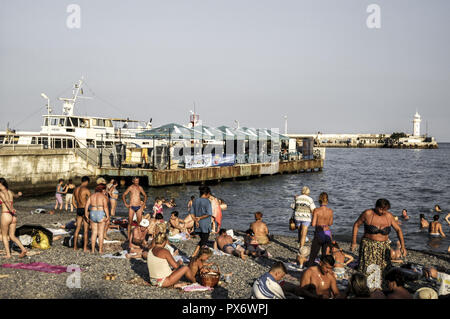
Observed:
{"x":425,"y":293}
{"x":144,"y":223}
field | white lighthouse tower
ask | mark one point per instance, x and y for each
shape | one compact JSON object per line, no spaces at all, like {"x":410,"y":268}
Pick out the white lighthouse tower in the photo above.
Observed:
{"x":416,"y":124}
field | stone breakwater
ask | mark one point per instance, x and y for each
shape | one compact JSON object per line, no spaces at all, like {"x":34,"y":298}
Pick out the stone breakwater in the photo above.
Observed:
{"x":132,"y":275}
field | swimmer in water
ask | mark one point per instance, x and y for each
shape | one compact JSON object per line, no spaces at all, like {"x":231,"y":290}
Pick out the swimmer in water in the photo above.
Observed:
{"x":435,"y":228}
{"x":423,"y":222}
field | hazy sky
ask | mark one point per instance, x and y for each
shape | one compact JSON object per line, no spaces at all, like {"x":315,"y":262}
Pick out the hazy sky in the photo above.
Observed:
{"x":255,"y":61}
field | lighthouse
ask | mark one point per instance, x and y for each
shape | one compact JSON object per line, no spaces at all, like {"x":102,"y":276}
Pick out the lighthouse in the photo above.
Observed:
{"x":416,"y":124}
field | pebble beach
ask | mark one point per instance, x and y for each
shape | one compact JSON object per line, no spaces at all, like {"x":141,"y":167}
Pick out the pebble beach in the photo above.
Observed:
{"x":132,"y":281}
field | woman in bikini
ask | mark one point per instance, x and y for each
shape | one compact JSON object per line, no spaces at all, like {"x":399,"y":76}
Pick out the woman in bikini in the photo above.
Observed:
{"x":98,"y":216}
{"x":9,"y":219}
{"x":113,"y":195}
{"x":68,"y":190}
{"x":375,"y":249}
{"x":160,"y":263}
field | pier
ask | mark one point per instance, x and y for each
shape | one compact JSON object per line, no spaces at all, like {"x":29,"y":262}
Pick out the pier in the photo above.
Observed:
{"x":38,"y":170}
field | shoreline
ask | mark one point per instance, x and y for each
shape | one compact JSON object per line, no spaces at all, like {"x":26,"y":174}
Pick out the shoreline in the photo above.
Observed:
{"x":132,"y":275}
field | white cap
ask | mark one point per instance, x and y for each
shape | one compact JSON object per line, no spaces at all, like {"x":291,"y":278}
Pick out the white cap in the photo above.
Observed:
{"x":144,"y":223}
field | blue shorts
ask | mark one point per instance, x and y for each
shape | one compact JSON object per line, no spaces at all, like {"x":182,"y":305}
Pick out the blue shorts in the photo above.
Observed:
{"x":299,"y":223}
{"x":97,"y":215}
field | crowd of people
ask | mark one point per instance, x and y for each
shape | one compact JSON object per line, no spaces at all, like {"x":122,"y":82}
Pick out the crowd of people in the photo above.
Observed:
{"x":148,"y":238}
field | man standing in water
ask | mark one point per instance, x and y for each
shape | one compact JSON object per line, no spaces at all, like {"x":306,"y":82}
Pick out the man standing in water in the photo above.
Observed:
{"x":79,"y":199}
{"x":135,"y":206}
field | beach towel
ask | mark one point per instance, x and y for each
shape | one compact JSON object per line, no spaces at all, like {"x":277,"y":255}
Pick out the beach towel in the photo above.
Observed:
{"x":38,"y":266}
{"x":59,"y":231}
{"x":183,"y":258}
{"x":178,"y":237}
{"x":110,"y":241}
{"x":116,"y":255}
{"x":293,"y":266}
{"x":196,"y":287}
{"x":219,"y":252}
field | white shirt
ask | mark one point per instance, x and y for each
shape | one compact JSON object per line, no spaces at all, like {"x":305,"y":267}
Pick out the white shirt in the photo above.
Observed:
{"x":304,"y":206}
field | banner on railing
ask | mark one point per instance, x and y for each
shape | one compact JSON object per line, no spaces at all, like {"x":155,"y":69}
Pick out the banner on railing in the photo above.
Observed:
{"x":198,"y":161}
{"x":223,"y":160}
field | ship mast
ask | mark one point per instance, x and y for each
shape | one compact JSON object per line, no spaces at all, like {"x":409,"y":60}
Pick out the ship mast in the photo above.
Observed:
{"x":69,"y":103}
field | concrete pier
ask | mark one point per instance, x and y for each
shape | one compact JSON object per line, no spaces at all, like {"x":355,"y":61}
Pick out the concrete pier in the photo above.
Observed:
{"x":37,"y":171}
{"x":194,"y":175}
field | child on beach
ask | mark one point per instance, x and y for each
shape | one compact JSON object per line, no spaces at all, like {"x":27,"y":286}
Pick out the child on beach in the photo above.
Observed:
{"x":158,"y":207}
{"x":197,"y":263}
{"x":340,"y":260}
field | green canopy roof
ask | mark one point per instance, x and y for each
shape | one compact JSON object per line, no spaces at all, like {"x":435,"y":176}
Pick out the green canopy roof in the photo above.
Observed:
{"x":173,"y":131}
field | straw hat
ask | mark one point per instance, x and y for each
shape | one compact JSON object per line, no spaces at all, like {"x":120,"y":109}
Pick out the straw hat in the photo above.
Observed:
{"x":425,"y":293}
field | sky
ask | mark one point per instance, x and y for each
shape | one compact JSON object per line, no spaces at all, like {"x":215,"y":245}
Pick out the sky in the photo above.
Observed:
{"x":255,"y":61}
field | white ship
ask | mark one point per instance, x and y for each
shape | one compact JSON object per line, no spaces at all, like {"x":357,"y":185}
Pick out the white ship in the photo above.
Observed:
{"x":68,"y":130}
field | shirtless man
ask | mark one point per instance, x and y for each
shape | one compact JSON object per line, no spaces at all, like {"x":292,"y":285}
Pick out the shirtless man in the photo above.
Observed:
{"x":436,"y":227}
{"x":79,"y":199}
{"x":138,"y":242}
{"x":176,"y":226}
{"x":225,"y":243}
{"x":135,"y":206}
{"x":322,"y":219}
{"x":322,"y":277}
{"x":260,"y":229}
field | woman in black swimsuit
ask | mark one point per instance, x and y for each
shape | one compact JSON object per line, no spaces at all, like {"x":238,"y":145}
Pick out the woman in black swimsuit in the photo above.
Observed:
{"x":375,"y":247}
{"x":68,"y":190}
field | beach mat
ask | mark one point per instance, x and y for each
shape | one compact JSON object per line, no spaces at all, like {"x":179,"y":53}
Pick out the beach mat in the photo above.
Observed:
{"x":38,"y":266}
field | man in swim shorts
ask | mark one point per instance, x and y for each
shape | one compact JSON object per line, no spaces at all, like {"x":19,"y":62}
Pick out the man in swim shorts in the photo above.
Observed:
{"x":135,"y":206}
{"x":225,"y":243}
{"x":79,"y":199}
{"x":138,"y":243}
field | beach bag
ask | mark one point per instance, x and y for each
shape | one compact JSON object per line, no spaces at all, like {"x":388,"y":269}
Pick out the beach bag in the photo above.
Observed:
{"x":68,"y":241}
{"x":40,"y":240}
{"x":444,"y":279}
{"x":292,"y":224}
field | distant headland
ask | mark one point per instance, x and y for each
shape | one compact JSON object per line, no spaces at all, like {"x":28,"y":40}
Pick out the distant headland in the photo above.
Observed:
{"x":394,"y":140}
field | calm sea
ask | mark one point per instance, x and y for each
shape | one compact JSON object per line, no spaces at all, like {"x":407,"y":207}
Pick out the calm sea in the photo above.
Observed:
{"x":353,"y":178}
